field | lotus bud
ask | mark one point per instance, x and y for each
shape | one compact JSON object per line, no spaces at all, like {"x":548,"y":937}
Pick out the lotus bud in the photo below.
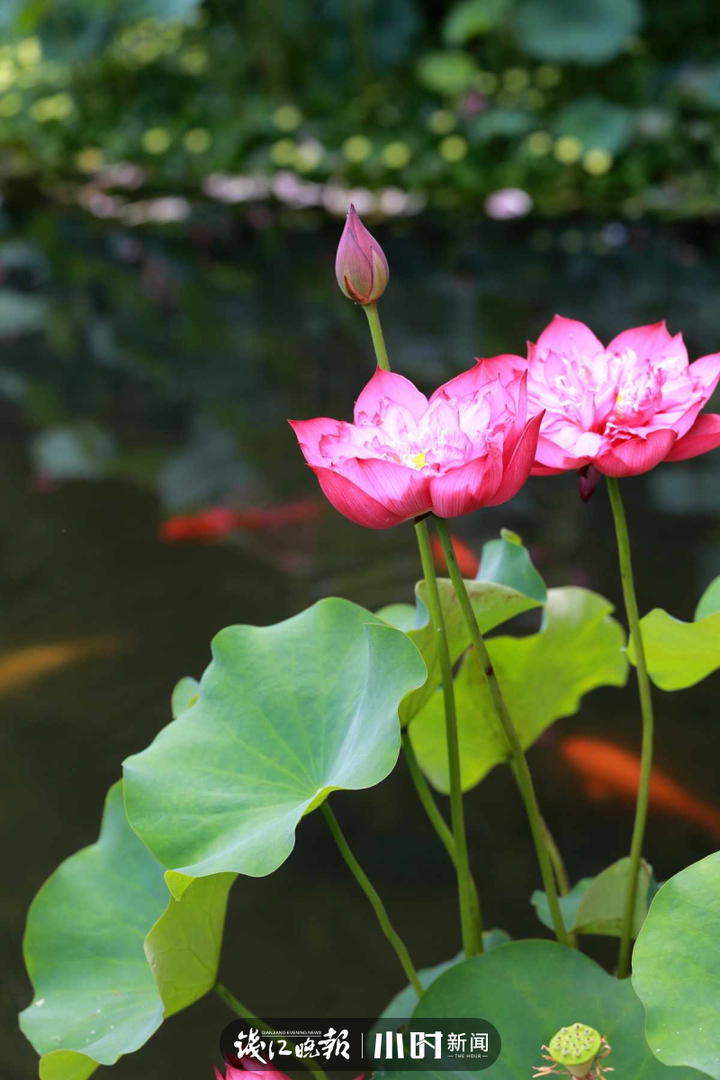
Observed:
{"x":588,"y":478}
{"x":360,"y":266}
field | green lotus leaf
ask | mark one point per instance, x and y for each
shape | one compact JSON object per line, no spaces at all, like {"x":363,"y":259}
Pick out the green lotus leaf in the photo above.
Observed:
{"x":510,"y":586}
{"x":184,"y":695}
{"x":589,"y":33}
{"x":675,"y":968}
{"x":95,"y":995}
{"x":543,"y":678}
{"x":285,"y":715}
{"x":403,"y":1004}
{"x":601,"y":906}
{"x":568,"y":904}
{"x":680,"y":654}
{"x":530,"y":989}
{"x":507,"y":562}
{"x":596,"y":905}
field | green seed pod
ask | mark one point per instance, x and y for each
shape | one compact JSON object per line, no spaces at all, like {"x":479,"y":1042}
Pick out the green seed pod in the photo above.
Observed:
{"x":575,"y":1048}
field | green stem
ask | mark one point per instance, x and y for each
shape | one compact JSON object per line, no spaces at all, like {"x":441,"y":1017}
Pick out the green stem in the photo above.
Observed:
{"x":471,"y":942}
{"x":372,"y":895}
{"x":439,"y":823}
{"x":455,"y":841}
{"x":558,"y":865}
{"x":239,"y":1009}
{"x":646,"y":709}
{"x":524,"y":778}
{"x":426,"y":797}
{"x":373,"y":318}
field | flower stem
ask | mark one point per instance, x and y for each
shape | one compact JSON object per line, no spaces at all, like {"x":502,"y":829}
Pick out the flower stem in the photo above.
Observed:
{"x":524,"y":778}
{"x":646,"y":709}
{"x":239,"y":1009}
{"x":472,"y":943}
{"x":440,"y":825}
{"x":373,"y":318}
{"x":372,"y":895}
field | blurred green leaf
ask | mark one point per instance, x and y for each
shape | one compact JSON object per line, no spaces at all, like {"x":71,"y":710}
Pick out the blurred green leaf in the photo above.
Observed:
{"x":596,"y":124}
{"x":451,"y":72}
{"x":472,"y":17}
{"x":591,"y":32}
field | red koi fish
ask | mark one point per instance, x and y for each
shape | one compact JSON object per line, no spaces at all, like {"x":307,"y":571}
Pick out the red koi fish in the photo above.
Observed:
{"x":609,"y":771}
{"x":467,"y":559}
{"x":219,"y":521}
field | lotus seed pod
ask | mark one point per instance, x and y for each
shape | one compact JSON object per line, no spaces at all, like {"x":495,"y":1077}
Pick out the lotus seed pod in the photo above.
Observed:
{"x":575,"y":1048}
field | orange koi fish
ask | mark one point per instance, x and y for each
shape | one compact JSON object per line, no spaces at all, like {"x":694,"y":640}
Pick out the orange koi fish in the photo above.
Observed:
{"x":219,"y":521}
{"x":22,"y":667}
{"x":468,"y":561}
{"x":608,"y":770}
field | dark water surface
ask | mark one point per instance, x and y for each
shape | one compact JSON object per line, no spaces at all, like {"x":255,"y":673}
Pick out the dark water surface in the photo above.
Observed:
{"x":154,"y":375}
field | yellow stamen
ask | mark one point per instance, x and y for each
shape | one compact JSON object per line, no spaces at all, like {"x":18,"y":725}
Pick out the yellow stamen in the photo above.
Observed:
{"x":419,"y":460}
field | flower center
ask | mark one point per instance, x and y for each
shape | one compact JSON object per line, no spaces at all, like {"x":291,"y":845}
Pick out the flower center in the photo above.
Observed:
{"x":419,"y":460}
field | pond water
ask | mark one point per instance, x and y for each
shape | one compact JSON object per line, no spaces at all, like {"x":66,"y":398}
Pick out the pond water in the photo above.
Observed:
{"x":149,"y":374}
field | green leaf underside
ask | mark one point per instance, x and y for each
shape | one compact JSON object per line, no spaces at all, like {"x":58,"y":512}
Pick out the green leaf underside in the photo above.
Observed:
{"x":184,"y":696}
{"x":681,"y":654}
{"x":492,"y":603}
{"x":285,"y":713}
{"x":596,"y":905}
{"x":543,"y":678}
{"x":529,"y":990}
{"x":183,"y":947}
{"x":568,"y":904}
{"x":601,"y":907}
{"x":675,"y":968}
{"x":507,"y":562}
{"x":403,"y":1004}
{"x":95,"y":995}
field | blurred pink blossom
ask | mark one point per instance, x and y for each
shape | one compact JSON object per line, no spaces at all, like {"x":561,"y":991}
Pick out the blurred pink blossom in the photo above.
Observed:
{"x":507,"y":203}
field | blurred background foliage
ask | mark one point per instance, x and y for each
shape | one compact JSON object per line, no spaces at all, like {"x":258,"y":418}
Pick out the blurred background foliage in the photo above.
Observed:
{"x":606,"y":105}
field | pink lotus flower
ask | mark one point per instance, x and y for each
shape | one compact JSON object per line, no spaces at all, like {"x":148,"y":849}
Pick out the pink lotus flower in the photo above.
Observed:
{"x":250,"y":1069}
{"x":470,"y":445}
{"x":360,"y":266}
{"x":618,"y":410}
